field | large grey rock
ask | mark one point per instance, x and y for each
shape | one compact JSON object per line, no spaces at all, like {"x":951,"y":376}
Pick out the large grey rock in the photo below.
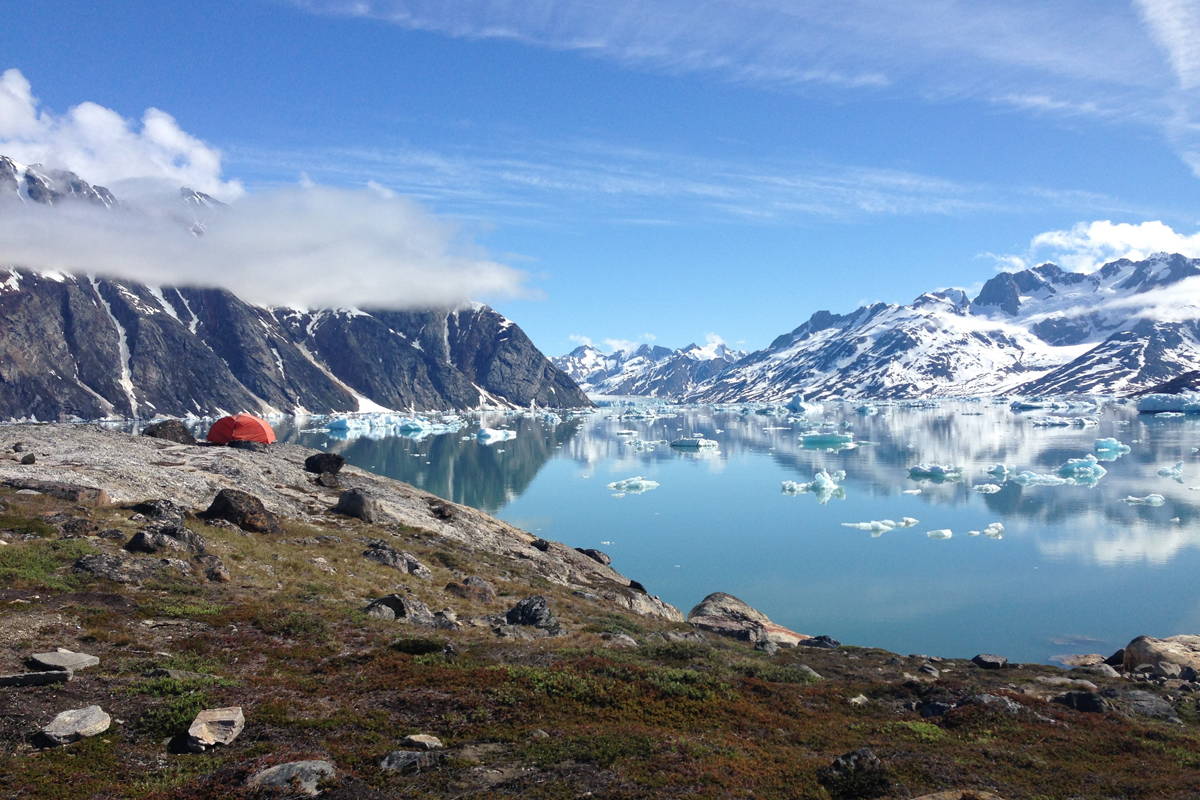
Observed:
{"x":215,"y":726}
{"x":324,"y":463}
{"x":76,"y":724}
{"x":1141,"y":703}
{"x":171,"y":430}
{"x":854,"y":775}
{"x":1183,"y":650}
{"x":410,"y":762}
{"x":302,"y":777}
{"x":533,"y":612}
{"x":166,"y":536}
{"x":402,"y":608}
{"x":244,"y":510}
{"x":726,"y":615}
{"x":64,"y":660}
{"x":122,"y":568}
{"x":989,"y":661}
{"x":383,"y":553}
{"x":473,"y":588}
{"x":357,"y":503}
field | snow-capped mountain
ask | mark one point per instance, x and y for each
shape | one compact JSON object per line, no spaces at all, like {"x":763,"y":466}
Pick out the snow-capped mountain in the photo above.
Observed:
{"x":651,"y":371}
{"x":1127,"y":326}
{"x":89,"y":347}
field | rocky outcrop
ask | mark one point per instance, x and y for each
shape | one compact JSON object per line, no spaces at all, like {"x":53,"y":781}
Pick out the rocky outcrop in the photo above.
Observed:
{"x":726,"y":615}
{"x":296,"y":777}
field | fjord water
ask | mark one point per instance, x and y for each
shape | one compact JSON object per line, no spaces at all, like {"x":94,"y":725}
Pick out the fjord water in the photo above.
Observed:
{"x":1077,"y":570}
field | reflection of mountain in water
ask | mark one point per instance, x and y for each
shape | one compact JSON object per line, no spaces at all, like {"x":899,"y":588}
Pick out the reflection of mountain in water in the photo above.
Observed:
{"x":468,"y":472}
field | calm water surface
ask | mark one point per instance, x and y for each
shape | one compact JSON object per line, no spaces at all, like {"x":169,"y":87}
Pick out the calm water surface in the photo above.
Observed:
{"x":1077,"y":569}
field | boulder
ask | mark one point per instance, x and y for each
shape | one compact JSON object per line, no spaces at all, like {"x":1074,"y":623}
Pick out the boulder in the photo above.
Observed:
{"x":441,"y":510}
{"x":422,"y":741}
{"x":409,"y":762}
{"x":1079,"y":659}
{"x":300,"y":777}
{"x":162,"y":509}
{"x":88,"y":496}
{"x":62,"y":660}
{"x":76,"y":724}
{"x":215,"y":726}
{"x":171,"y":430}
{"x":1141,"y":703}
{"x":381,"y":552}
{"x":473,"y":588}
{"x":358,"y":504}
{"x":122,"y":568}
{"x":1183,"y":650}
{"x":540,"y":544}
{"x":726,"y":615}
{"x":858,"y":774}
{"x":1088,"y":702}
{"x":598,"y":556}
{"x":533,"y":612}
{"x":244,"y":510}
{"x":989,"y":661}
{"x":328,"y":480}
{"x":401,"y":608}
{"x":28,"y":459}
{"x":996,"y":702}
{"x":1100,"y":670}
{"x":215,"y":569}
{"x":166,"y":536}
{"x":324,"y":463}
{"x":616,"y":639}
{"x":822,"y":641}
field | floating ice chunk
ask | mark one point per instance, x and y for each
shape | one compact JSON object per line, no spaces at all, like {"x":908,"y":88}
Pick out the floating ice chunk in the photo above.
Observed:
{"x":1185,"y":403}
{"x":1110,"y":449}
{"x":1030,"y":478}
{"x":1084,"y":471}
{"x":493,"y":435}
{"x":1149,"y":500}
{"x":993,"y":531}
{"x":825,"y":485}
{"x":797,"y":405}
{"x":635,"y":485}
{"x":998,"y":471}
{"x":908,"y":522}
{"x":878,"y":526}
{"x":1169,"y":415}
{"x":1175,"y":473}
{"x":941,"y":533}
{"x":986,"y":488}
{"x":937,"y":473}
{"x":1066,"y":422}
{"x":696,"y":442}
{"x":831,"y":439}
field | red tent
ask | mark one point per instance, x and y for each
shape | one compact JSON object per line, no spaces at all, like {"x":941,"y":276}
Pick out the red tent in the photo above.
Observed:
{"x":241,"y":428}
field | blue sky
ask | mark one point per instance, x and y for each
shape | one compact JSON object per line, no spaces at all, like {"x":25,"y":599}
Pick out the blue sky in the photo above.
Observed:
{"x":671,"y":169}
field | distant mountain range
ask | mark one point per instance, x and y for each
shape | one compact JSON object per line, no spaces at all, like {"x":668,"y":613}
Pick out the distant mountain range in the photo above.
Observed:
{"x":78,"y":346}
{"x":648,"y":370}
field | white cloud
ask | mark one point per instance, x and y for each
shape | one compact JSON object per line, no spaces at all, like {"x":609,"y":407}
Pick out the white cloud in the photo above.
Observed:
{"x":1175,"y":24}
{"x":619,"y":345}
{"x":1087,"y":246}
{"x":102,"y":146}
{"x":578,"y":338}
{"x":299,"y":245}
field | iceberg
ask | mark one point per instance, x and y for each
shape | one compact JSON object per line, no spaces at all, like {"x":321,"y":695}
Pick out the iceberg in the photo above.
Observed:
{"x":998,"y":471}
{"x":941,"y":533}
{"x":867,"y":410}
{"x":494,"y":435}
{"x":635,"y":485}
{"x":1175,"y":473}
{"x":693,"y":442}
{"x":1066,"y":422}
{"x":827,"y":439}
{"x":1084,"y":471}
{"x":937,"y":473}
{"x":1184,"y":403}
{"x":993,"y":531}
{"x":1030,"y":478}
{"x":875,"y":527}
{"x":1110,"y":449}
{"x":797,"y":405}
{"x":1149,"y":500}
{"x":986,"y":488}
{"x":908,"y":522}
{"x":825,"y":485}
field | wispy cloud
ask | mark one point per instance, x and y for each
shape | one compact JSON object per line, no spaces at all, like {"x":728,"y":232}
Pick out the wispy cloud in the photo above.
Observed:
{"x":1086,"y":246}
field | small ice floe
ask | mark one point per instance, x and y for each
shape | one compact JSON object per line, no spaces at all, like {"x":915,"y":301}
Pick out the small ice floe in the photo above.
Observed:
{"x":626,"y":433}
{"x":911,"y":491}
{"x":999,"y":472}
{"x":1175,"y":473}
{"x":634,"y":485}
{"x":993,"y":531}
{"x":1084,"y":471}
{"x":1066,"y":422}
{"x":941,"y":533}
{"x":825,"y":485}
{"x":876,"y":527}
{"x":493,"y":435}
{"x":1149,"y":500}
{"x":936,"y":473}
{"x":827,"y":440}
{"x":1169,"y":415}
{"x":1031,"y":478}
{"x":867,"y":410}
{"x":908,"y":522}
{"x":1110,"y":449}
{"x":986,"y":488}
{"x":693,"y":442}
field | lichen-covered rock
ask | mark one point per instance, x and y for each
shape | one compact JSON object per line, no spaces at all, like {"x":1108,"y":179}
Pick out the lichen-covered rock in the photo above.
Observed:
{"x":75,"y":724}
{"x":244,"y":510}
{"x":121,"y":568}
{"x":855,"y":775}
{"x":60,"y":659}
{"x":473,"y":588}
{"x":381,"y":552}
{"x":358,"y":504}
{"x":171,"y":430}
{"x":1183,"y":650}
{"x":215,"y":726}
{"x":402,"y":608}
{"x":533,"y":612}
{"x":166,"y":536}
{"x":301,"y":777}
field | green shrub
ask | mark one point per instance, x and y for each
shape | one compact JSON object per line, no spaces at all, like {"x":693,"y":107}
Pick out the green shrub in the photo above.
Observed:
{"x":417,"y":646}
{"x":172,"y":715}
{"x":292,"y":624}
{"x":35,"y":564}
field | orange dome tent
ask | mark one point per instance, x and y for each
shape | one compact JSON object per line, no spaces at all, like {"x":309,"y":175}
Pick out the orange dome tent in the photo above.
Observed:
{"x":241,"y":428}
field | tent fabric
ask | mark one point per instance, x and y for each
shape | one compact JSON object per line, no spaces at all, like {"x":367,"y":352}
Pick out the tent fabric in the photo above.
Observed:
{"x":241,"y":428}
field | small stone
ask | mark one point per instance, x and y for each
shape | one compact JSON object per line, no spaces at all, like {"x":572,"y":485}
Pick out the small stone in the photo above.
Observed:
{"x":473,"y":588}
{"x":44,"y":678}
{"x":538,"y":733}
{"x":858,"y":700}
{"x":358,"y":504}
{"x":617,"y":639}
{"x":409,"y":762}
{"x":302,"y":777}
{"x":324,"y":463}
{"x":215,"y":726}
{"x":997,"y":702}
{"x":62,"y":660}
{"x":422,"y":741}
{"x":215,"y":569}
{"x":930,"y":670}
{"x":441,"y":510}
{"x":28,"y":458}
{"x":989,"y":661}
{"x":78,"y":723}
{"x":19,"y":447}
{"x":766,"y":646}
{"x":328,"y":480}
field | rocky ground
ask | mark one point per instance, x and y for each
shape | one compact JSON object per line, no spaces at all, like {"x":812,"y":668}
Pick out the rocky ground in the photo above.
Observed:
{"x":179,"y":621}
